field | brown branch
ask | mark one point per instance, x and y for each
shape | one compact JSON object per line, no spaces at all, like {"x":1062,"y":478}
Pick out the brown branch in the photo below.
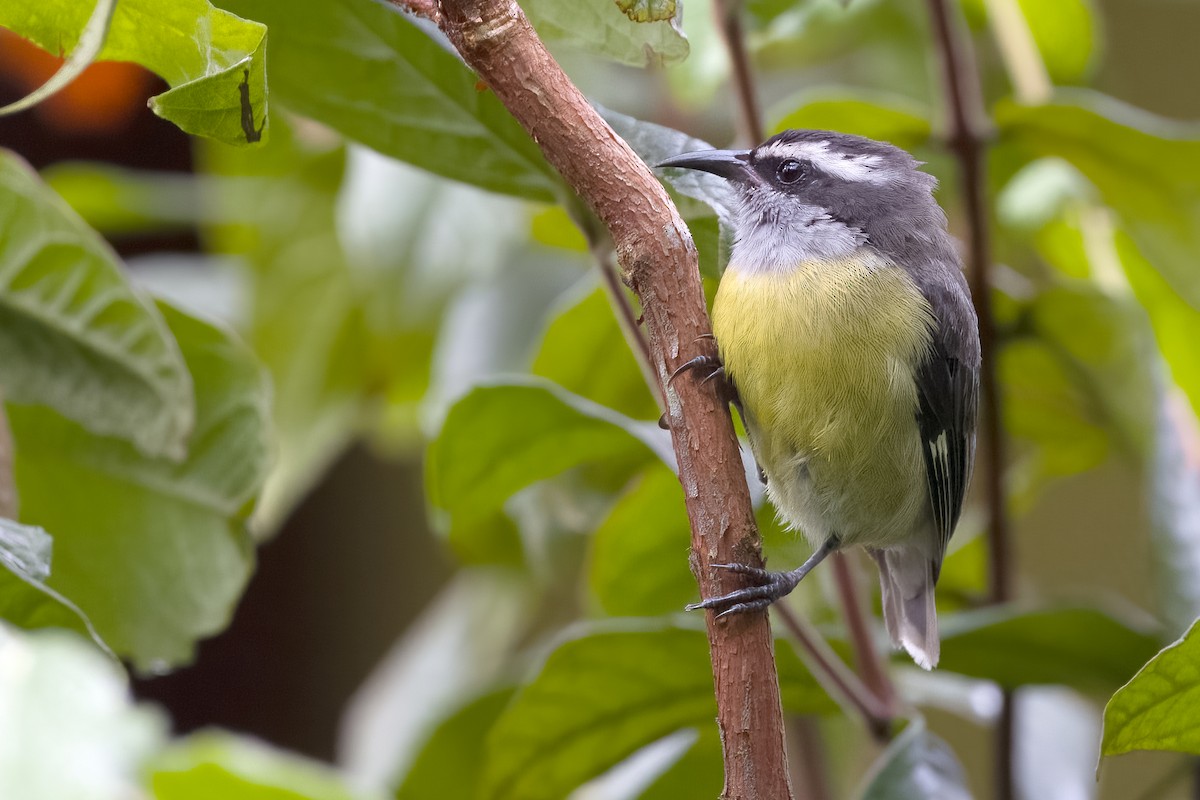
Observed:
{"x":835,"y":676}
{"x":8,"y":483}
{"x":421,"y":8}
{"x":967,"y":138}
{"x":658,"y":260}
{"x":729,"y":21}
{"x":866,"y":653}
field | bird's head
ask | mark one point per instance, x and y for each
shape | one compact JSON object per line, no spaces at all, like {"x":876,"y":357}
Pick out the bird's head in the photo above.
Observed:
{"x":812,"y":195}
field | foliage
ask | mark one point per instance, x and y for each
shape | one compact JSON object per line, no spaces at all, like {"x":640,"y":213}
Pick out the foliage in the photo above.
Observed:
{"x":405,"y":270}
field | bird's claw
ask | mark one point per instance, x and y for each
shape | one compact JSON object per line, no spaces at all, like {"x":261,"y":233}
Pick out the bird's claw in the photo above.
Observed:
{"x":770,"y":586}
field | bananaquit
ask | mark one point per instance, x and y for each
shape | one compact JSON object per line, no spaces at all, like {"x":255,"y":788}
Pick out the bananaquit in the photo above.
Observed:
{"x":845,"y":328}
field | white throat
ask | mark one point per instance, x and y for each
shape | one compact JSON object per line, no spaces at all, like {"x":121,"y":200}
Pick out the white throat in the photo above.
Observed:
{"x":765,"y":243}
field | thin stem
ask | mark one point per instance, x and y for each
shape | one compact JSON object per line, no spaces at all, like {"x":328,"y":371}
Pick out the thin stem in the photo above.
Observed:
{"x":835,"y":676}
{"x":809,"y":758}
{"x":729,"y":21}
{"x":966,"y":137}
{"x":866,"y":654}
{"x":8,"y":484}
{"x":1022,"y":60}
{"x":627,"y":321}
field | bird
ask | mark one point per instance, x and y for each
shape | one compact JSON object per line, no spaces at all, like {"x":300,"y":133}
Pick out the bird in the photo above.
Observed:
{"x":846,"y":335}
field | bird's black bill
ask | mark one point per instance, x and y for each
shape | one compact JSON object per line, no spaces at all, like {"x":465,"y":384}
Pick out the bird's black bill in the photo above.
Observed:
{"x":726,"y":163}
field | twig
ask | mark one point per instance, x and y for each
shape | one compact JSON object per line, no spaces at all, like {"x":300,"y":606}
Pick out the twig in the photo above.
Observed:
{"x":835,"y":676}
{"x":966,"y":137}
{"x":8,"y":484}
{"x":729,"y":21}
{"x":866,"y":654}
{"x":659,"y":262}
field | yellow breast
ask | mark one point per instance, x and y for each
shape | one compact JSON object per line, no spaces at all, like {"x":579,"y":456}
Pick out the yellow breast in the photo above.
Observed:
{"x":823,"y":359}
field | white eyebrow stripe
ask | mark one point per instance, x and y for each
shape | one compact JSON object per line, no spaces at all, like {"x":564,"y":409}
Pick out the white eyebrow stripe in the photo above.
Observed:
{"x":859,"y":168}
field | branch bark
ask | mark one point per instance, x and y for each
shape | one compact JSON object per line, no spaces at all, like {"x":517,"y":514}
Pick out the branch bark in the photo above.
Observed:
{"x":658,"y":261}
{"x":967,"y":137}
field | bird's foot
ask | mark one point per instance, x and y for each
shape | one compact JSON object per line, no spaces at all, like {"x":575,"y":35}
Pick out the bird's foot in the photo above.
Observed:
{"x":713,"y":366}
{"x":770,"y":587}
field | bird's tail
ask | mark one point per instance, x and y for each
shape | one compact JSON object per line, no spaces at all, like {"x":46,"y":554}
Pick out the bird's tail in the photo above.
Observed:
{"x":906,"y":577}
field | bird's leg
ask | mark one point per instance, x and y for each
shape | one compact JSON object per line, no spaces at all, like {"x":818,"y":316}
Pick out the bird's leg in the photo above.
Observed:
{"x":714,"y":370}
{"x":771,"y":585}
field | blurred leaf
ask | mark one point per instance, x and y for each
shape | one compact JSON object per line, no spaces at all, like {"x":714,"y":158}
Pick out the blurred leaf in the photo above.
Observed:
{"x":1106,"y":340}
{"x":1039,"y":192}
{"x":695,"y":82}
{"x":25,"y":599}
{"x":1173,"y":494}
{"x":1079,"y":647}
{"x":1045,"y":408}
{"x":599,"y":27}
{"x":368,"y":71}
{"x":499,"y":439}
{"x":1055,"y":736}
{"x":699,"y":773}
{"x":604,"y":695}
{"x":647,"y":10}
{"x":1064,"y":32}
{"x":73,"y":334}
{"x":211,"y":765}
{"x":916,"y":764}
{"x":639,"y":562}
{"x":553,"y":227}
{"x":273,"y":209}
{"x":459,"y":647}
{"x":117,"y":201}
{"x":1159,"y":709}
{"x":91,"y":39}
{"x":584,"y":351}
{"x":888,"y":118}
{"x":69,"y":728}
{"x":1176,"y":324}
{"x":213,"y":61}
{"x":154,"y":552}
{"x":1147,"y":169}
{"x":451,"y":762}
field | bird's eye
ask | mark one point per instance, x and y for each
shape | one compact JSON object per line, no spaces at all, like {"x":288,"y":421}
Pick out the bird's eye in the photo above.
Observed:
{"x":790,"y":171}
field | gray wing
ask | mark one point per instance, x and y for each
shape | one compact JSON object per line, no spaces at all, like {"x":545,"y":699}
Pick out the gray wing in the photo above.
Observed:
{"x":948,"y":391}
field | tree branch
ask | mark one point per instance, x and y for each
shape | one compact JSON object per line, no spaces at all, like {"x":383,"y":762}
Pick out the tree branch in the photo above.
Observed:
{"x":729,"y":21}
{"x":966,"y":137}
{"x":658,"y":260}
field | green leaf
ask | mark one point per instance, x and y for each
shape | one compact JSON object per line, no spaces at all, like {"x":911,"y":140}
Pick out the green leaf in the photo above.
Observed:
{"x":698,"y":773}
{"x":888,"y":118}
{"x":647,"y":10}
{"x":1046,"y":409}
{"x":213,"y":61}
{"x":916,"y":764}
{"x":69,"y":728}
{"x":368,"y":71}
{"x":1106,"y":343}
{"x":1064,"y":32}
{"x":584,"y":351}
{"x":25,"y":599}
{"x":1079,"y":647}
{"x":639,"y":561}
{"x":211,"y":765}
{"x":500,"y":438}
{"x":451,"y":762}
{"x":604,"y":695}
{"x":154,"y":552}
{"x":91,"y":39}
{"x":117,"y":201}
{"x":1145,"y":168}
{"x":1159,"y":709}
{"x":599,"y":27}
{"x":74,"y":334}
